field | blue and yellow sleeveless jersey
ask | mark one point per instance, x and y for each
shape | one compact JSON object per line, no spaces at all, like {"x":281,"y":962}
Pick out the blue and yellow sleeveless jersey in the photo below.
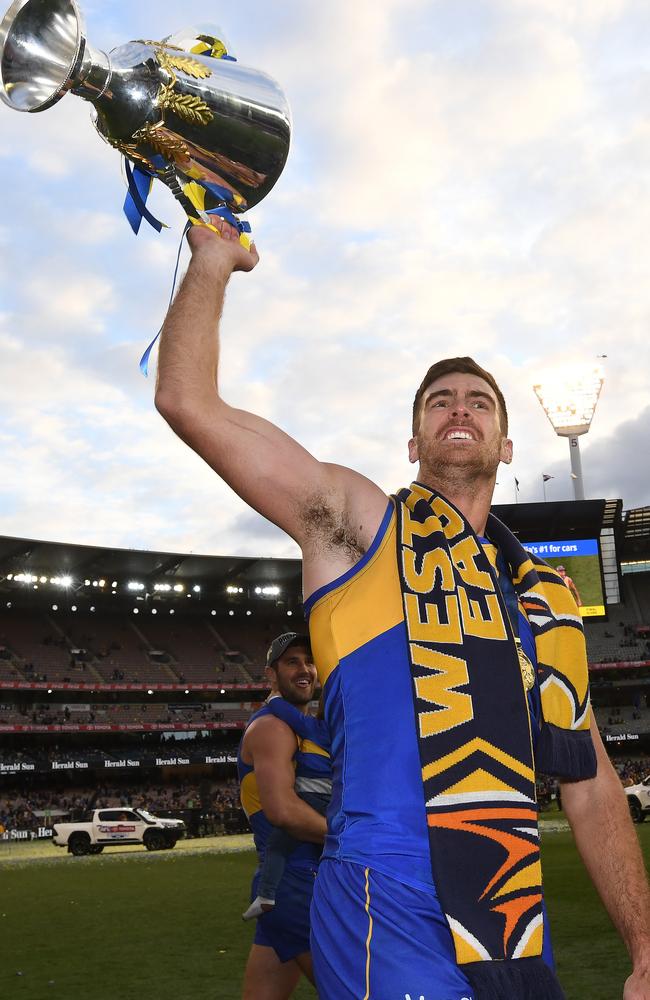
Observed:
{"x":358,"y":635}
{"x":313,"y":763}
{"x":305,"y":855}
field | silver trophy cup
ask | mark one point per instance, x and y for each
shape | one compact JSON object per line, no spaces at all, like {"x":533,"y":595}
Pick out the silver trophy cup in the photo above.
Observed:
{"x":216,"y":132}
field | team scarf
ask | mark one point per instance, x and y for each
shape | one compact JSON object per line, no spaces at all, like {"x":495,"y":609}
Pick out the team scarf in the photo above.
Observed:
{"x":474,"y":732}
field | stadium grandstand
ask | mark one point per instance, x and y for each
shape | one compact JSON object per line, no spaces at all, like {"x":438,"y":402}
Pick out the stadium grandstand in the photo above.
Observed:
{"x":126,"y":677}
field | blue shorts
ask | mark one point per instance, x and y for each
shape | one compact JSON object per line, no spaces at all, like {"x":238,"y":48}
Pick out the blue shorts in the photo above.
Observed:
{"x":375,"y":938}
{"x":285,"y":928}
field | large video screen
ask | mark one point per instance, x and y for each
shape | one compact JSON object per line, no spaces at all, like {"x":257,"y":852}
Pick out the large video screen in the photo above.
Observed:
{"x":578,"y":561}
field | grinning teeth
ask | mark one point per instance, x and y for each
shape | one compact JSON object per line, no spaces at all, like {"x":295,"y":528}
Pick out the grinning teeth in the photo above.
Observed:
{"x":460,"y":435}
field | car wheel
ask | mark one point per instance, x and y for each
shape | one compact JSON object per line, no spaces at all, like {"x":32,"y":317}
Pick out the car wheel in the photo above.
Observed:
{"x":155,"y":840}
{"x":79,"y":844}
{"x":636,"y":812}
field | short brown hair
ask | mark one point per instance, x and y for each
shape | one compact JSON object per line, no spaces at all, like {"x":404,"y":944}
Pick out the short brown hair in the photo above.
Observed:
{"x":465,"y":366}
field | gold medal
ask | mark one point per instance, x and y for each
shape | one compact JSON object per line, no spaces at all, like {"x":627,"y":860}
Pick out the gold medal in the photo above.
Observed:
{"x":527,"y":669}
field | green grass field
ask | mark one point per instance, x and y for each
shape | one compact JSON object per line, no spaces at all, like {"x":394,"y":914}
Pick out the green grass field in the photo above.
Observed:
{"x":167,"y":926}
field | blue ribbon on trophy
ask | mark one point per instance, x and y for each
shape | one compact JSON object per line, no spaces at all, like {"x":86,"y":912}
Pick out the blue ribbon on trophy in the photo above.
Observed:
{"x":182,"y":110}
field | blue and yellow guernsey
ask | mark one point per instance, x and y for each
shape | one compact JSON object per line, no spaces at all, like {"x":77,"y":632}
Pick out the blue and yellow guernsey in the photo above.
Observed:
{"x":358,"y":634}
{"x":310,"y":761}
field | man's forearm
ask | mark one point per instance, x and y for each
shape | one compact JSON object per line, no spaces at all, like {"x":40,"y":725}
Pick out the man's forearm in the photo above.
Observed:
{"x":598,"y":813}
{"x":189,"y":346}
{"x":299,"y":819}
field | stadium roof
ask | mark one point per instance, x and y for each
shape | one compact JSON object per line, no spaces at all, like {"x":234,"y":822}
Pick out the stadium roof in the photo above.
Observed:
{"x":530,"y":521}
{"x":636,"y":534}
{"x":558,"y":520}
{"x":22,"y":555}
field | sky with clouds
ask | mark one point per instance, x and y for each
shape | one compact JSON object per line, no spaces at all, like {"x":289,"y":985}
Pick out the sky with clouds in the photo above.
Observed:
{"x":466,"y":177}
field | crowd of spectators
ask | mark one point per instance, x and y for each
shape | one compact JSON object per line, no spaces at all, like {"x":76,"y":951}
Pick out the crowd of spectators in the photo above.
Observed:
{"x":633,"y":770}
{"x":116,"y":712}
{"x":208,"y":807}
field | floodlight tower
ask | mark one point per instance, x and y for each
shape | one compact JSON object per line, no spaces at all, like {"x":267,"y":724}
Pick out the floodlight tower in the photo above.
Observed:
{"x":569,"y":402}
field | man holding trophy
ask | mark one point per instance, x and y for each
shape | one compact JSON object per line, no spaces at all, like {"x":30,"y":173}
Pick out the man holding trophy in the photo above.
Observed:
{"x":453,"y":665}
{"x":387,"y":920}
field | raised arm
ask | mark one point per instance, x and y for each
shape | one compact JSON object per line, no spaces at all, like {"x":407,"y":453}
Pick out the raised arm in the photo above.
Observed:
{"x":599,"y":816}
{"x":271,"y":745}
{"x":262,"y":464}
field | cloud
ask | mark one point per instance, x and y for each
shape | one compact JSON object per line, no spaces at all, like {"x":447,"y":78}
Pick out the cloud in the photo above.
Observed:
{"x":465,"y":178}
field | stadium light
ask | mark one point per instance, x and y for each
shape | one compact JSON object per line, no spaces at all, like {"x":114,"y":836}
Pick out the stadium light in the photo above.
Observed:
{"x":231,"y":613}
{"x":289,"y":614}
{"x":196,"y":588}
{"x":178,"y":588}
{"x":55,"y":607}
{"x":569,"y":401}
{"x":135,"y":585}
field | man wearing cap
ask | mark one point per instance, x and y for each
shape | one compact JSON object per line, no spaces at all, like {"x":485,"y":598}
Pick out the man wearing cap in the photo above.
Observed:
{"x":454,"y":670}
{"x":269,"y":759}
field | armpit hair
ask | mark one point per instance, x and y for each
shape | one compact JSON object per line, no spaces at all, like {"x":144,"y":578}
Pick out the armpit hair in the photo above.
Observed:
{"x":331,"y":529}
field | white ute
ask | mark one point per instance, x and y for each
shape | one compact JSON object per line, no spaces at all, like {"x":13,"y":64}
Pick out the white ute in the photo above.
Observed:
{"x":638,"y":799}
{"x":125,"y":825}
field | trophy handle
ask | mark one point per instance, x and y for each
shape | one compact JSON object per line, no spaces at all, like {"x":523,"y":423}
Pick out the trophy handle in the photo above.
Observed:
{"x":170,"y":179}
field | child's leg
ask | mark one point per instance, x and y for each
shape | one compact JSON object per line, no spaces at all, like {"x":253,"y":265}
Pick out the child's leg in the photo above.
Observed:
{"x":278,"y":848}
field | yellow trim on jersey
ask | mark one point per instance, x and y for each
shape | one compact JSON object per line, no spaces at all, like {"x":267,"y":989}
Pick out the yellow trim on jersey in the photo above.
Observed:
{"x":306,"y":746}
{"x":369,"y":938}
{"x":359,"y":609}
{"x":249,"y":794}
